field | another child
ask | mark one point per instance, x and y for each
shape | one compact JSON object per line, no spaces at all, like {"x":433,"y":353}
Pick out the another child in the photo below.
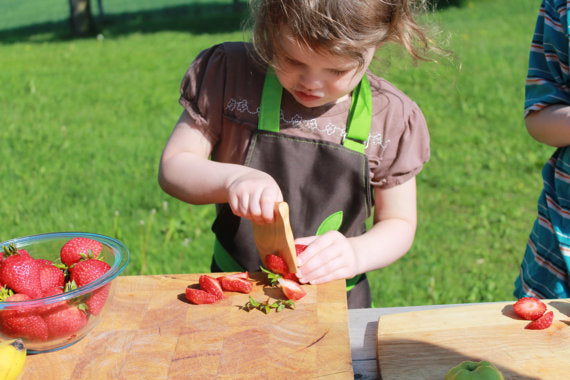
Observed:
{"x":545,"y":268}
{"x":297,"y":116}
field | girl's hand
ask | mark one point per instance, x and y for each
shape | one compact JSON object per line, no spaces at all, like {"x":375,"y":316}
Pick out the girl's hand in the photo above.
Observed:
{"x":328,"y":257}
{"x":252,"y":194}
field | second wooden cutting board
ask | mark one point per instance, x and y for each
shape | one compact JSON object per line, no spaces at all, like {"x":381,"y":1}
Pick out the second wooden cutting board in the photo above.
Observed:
{"x":426,"y":344}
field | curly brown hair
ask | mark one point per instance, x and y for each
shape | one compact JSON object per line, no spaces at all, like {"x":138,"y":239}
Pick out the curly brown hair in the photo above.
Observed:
{"x":338,"y":27}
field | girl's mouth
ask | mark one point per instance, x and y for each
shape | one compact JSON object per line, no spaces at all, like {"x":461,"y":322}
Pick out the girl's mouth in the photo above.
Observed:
{"x":305,"y":97}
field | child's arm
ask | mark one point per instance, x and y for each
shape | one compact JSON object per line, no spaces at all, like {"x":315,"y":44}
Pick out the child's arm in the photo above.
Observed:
{"x":186,"y":173}
{"x":332,"y":256}
{"x":551,"y":125}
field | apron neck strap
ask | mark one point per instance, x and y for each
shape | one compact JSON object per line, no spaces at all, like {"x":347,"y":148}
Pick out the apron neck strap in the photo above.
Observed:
{"x":359,"y":115}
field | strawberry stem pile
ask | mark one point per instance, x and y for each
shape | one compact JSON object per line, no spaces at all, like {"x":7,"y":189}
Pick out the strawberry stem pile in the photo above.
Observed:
{"x":534,"y":310}
{"x":24,"y":278}
{"x":212,"y":289}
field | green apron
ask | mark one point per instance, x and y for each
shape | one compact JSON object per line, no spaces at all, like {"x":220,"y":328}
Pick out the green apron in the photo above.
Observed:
{"x":326,"y":185}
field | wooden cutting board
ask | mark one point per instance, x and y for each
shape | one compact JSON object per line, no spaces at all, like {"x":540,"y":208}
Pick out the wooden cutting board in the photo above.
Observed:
{"x":426,"y":344}
{"x":150,"y":331}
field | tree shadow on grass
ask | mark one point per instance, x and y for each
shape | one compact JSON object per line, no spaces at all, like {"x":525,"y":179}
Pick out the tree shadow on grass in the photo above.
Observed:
{"x":203,"y":18}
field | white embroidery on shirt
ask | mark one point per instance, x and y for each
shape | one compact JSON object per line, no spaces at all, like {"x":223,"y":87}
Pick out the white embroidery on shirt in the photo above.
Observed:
{"x":311,"y":125}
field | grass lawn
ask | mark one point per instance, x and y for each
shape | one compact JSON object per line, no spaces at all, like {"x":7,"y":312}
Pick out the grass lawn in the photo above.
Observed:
{"x":83,"y":123}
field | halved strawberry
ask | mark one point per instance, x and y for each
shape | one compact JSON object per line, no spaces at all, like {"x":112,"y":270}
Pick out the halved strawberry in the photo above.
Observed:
{"x":542,"y":322}
{"x":211,"y":285}
{"x":291,"y":289}
{"x":300,"y":248}
{"x":529,"y":308}
{"x":198,"y":296}
{"x":236,"y":284}
{"x":276,"y":264}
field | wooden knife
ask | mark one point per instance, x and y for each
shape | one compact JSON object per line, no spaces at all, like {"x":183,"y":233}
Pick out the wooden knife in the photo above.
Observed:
{"x":277,"y":237}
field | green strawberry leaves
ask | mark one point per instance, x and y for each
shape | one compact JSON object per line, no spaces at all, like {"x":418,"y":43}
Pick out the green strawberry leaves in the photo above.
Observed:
{"x":266,"y":307}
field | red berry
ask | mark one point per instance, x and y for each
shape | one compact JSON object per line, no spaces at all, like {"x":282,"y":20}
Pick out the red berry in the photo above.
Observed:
{"x":72,"y":251}
{"x":211,"y":285}
{"x":291,"y":289}
{"x":542,"y":322}
{"x":24,"y":322}
{"x":21,"y":273}
{"x":64,"y":320}
{"x":235,"y":284}
{"x":50,"y":277}
{"x":276,"y":264}
{"x":529,"y":308}
{"x":300,"y":248}
{"x":87,"y":271}
{"x":198,"y":296}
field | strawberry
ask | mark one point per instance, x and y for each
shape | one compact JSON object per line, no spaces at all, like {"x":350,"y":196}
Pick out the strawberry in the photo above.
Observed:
{"x":291,"y":289}
{"x":276,"y":264}
{"x":529,"y":308}
{"x":236,"y":284}
{"x":21,"y":273}
{"x":86,"y":271}
{"x":64,"y":320}
{"x":23,"y":323}
{"x":79,"y":247}
{"x":199,"y":296}
{"x":300,"y":248}
{"x":211,"y":285}
{"x":51,"y":292}
{"x":541,"y":323}
{"x":51,"y":277}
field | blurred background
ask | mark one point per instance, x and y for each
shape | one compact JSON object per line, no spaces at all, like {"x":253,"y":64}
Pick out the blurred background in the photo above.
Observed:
{"x":86,"y":110}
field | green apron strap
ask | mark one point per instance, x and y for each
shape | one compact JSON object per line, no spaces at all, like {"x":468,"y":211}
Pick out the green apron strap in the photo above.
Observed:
{"x":359,"y":117}
{"x":224,"y":260}
{"x":270,"y":107}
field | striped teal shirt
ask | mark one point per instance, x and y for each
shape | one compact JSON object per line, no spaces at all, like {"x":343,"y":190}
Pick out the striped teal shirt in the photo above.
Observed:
{"x":544,"y":271}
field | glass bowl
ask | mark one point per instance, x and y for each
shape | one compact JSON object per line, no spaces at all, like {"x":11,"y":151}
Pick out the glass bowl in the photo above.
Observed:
{"x":51,"y":309}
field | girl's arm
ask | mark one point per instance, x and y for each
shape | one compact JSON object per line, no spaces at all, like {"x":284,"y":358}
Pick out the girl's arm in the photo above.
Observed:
{"x":186,"y":173}
{"x":332,"y":256}
{"x":550,"y":125}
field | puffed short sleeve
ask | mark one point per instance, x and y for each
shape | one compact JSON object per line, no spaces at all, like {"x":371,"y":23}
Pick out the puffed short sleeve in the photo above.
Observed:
{"x":202,"y":91}
{"x":405,"y":147}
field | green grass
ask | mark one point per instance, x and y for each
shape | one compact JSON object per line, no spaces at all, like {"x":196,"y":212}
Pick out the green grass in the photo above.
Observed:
{"x":83,"y":123}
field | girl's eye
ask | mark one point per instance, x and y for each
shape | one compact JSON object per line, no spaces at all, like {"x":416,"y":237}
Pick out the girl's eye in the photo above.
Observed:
{"x":339,"y":73}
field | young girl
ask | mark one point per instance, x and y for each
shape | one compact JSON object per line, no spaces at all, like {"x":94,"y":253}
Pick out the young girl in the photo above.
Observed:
{"x":297,"y":116}
{"x":545,"y":269}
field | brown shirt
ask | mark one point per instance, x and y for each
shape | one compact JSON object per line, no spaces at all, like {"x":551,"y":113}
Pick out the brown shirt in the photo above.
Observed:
{"x":221,"y":91}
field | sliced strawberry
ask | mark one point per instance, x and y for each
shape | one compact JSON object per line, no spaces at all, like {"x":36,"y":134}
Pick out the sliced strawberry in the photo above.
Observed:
{"x":529,"y":308}
{"x":74,"y":249}
{"x":236,"y":284}
{"x":276,"y":264}
{"x":211,"y":285}
{"x":243,"y":275}
{"x":542,"y":322}
{"x":199,"y":296}
{"x":291,"y":289}
{"x":300,"y":248}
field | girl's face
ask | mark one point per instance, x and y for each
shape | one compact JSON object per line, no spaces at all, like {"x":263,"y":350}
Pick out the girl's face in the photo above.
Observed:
{"x":315,"y":78}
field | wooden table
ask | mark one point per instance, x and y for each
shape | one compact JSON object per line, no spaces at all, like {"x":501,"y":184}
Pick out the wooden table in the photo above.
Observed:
{"x":363,"y":325}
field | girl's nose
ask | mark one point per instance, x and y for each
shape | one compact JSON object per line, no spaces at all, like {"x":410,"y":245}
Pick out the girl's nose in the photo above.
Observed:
{"x":310,"y":80}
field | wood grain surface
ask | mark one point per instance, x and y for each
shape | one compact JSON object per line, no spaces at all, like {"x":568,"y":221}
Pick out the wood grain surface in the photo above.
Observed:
{"x":150,"y":331}
{"x":426,"y":344}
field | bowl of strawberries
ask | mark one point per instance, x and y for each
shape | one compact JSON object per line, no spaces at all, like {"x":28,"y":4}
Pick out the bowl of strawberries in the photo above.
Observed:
{"x":55,"y":287}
